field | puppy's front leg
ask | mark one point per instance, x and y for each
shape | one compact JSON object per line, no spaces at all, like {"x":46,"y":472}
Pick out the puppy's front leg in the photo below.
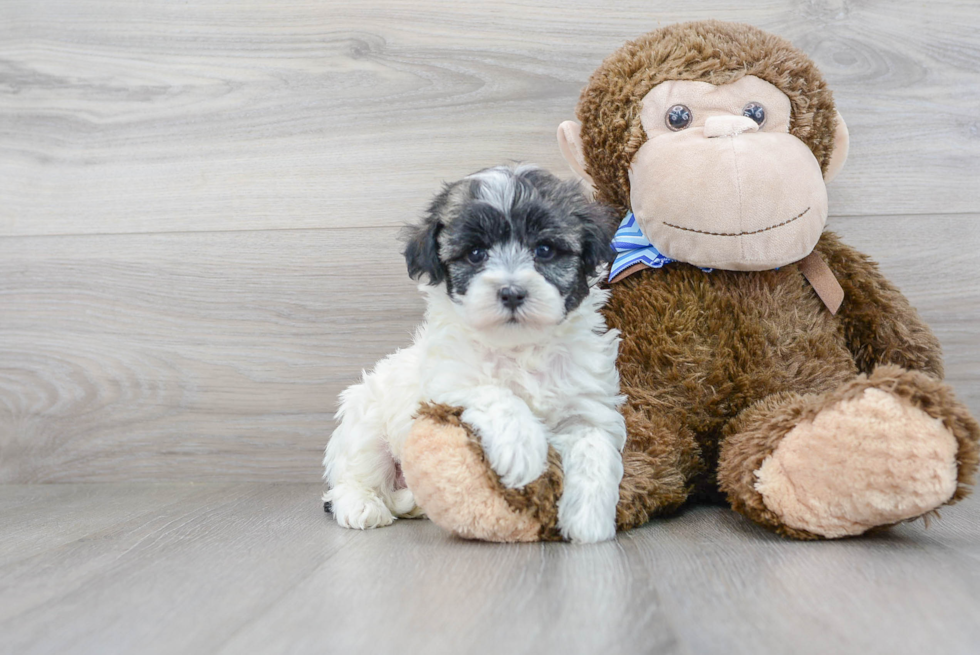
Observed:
{"x":514,"y":439}
{"x":593,"y":469}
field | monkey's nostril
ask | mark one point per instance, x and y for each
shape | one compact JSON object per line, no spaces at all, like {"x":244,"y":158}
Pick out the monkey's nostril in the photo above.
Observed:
{"x":512,"y":297}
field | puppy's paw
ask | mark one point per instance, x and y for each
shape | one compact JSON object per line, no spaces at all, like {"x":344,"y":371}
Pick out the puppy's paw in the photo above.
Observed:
{"x":587,"y":510}
{"x":517,"y":464}
{"x":516,"y":449}
{"x":358,"y":508}
{"x":593,"y":471}
{"x":403,"y":505}
{"x":587,"y":527}
{"x":586,"y":520}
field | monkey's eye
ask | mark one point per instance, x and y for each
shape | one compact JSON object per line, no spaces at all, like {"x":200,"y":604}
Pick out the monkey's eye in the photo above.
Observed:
{"x":678,"y":117}
{"x":476,"y":256}
{"x":756,"y":112}
{"x":544,"y":252}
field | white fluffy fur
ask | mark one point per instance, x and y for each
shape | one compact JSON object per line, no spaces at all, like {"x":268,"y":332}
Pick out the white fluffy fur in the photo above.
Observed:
{"x":522,"y":386}
{"x":498,"y":188}
{"x":509,"y":264}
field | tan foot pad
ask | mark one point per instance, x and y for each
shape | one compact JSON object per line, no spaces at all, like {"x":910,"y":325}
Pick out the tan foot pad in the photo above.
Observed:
{"x":861,"y":463}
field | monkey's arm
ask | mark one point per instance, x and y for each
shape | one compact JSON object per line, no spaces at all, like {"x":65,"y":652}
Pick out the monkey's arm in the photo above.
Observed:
{"x":880,"y":325}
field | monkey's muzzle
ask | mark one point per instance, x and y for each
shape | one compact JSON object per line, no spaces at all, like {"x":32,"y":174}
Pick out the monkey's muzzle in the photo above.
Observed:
{"x":727,"y":196}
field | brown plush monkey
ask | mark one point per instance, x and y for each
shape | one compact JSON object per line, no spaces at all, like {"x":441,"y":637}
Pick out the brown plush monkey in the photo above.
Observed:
{"x":793,"y":380}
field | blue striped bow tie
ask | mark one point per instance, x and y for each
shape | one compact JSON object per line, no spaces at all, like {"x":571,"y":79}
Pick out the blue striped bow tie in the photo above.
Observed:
{"x":634,"y":249}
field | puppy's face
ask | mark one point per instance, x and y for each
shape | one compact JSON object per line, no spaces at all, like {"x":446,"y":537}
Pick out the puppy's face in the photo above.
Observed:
{"x":515,"y":246}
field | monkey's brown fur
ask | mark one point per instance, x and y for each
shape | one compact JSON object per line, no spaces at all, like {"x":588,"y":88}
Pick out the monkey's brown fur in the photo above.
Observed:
{"x":718,"y":367}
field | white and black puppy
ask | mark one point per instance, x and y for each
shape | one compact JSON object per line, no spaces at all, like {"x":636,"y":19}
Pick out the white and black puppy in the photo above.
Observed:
{"x":512,"y":334}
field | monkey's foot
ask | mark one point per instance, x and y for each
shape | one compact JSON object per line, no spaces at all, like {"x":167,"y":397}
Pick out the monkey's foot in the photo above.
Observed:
{"x":883,"y":449}
{"x":454,"y":485}
{"x":859,"y":464}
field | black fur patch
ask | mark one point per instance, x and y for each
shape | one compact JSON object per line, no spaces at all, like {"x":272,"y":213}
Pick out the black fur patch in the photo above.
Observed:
{"x":422,"y":241}
{"x":545,"y":211}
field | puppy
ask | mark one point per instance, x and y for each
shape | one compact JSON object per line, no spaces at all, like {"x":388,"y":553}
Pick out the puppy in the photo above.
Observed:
{"x":514,"y":336}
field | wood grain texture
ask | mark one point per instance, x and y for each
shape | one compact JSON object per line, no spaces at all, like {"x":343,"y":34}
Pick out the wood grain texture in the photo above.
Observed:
{"x":120,"y":117}
{"x":219,"y":356}
{"x":207,"y":356}
{"x":178,"y":578}
{"x":257,"y":568}
{"x":40,"y":517}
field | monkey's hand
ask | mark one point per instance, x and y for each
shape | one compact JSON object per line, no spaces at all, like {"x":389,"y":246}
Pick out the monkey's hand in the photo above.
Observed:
{"x":514,"y":439}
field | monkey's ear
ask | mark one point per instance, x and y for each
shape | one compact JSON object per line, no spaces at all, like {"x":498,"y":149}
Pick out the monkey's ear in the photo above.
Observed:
{"x":839,"y":155}
{"x":570,"y":144}
{"x":422,"y":250}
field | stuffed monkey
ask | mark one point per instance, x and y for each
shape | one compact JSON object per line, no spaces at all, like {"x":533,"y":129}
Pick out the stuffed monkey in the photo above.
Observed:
{"x":765,"y":363}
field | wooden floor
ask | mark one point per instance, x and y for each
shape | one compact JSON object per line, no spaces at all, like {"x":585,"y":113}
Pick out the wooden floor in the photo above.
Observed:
{"x":258,"y":568}
{"x":198,"y":210}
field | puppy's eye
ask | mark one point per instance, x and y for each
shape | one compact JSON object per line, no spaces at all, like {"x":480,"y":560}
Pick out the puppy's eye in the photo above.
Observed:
{"x":678,"y":117}
{"x":544,"y":252}
{"x":476,"y":256}
{"x":756,"y":112}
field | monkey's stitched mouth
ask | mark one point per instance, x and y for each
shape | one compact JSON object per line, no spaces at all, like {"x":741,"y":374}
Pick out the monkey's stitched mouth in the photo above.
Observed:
{"x":739,"y":234}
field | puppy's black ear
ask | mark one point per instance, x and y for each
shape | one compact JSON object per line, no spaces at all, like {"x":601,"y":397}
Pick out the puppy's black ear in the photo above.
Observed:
{"x":598,"y":228}
{"x":422,"y":243}
{"x":422,"y":251}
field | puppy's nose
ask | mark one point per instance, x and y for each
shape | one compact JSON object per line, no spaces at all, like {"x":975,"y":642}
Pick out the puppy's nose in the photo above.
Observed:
{"x":512,"y":297}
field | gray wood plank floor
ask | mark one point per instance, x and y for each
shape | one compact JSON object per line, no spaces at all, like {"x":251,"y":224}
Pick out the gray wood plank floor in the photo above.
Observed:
{"x":258,"y":568}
